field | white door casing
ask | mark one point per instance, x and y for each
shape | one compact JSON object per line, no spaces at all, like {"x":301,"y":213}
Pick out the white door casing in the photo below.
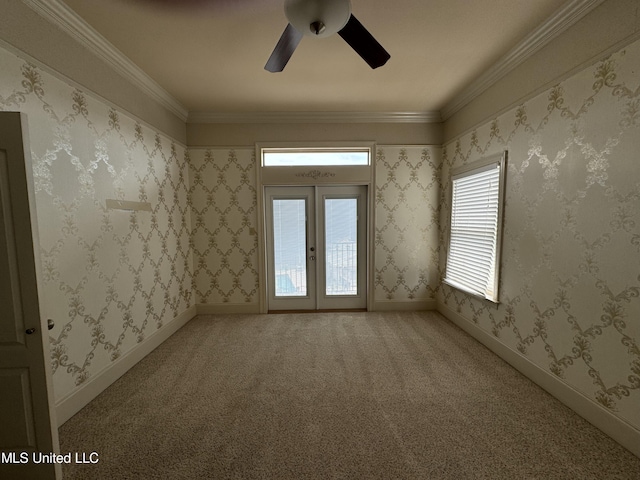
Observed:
{"x":306,"y":270}
{"x":314,"y":175}
{"x":27,"y":417}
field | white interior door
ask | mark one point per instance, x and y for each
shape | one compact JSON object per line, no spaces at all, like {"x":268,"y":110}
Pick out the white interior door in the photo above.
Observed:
{"x":316,"y":247}
{"x":27,"y":420}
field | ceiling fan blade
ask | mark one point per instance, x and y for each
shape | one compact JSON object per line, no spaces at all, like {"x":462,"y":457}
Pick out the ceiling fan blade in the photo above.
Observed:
{"x":363,"y":43}
{"x":284,"y":49}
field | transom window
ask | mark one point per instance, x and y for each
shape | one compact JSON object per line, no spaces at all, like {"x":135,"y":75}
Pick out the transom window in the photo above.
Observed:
{"x":305,"y":157}
{"x":476,"y":224}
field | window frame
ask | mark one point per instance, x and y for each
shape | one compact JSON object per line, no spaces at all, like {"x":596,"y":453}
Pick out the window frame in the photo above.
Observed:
{"x":264,"y":151}
{"x":491,"y":293}
{"x":318,"y":174}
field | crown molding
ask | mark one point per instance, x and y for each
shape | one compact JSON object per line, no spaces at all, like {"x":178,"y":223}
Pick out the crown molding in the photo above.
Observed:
{"x":315,"y":117}
{"x":561,"y":20}
{"x":61,"y":15}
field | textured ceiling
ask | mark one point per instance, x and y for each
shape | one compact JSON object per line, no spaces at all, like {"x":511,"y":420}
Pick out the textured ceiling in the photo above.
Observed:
{"x":210,"y":55}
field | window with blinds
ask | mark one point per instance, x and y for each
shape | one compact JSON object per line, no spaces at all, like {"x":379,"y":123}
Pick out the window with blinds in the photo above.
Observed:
{"x":476,"y":224}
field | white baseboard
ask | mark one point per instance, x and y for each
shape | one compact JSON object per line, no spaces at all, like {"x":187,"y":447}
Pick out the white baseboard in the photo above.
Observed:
{"x":407,"y":306}
{"x":248,"y":308}
{"x":226,"y":308}
{"x":68,"y":406}
{"x":622,"y":432}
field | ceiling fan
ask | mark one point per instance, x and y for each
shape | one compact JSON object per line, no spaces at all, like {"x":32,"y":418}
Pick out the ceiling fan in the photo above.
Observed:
{"x":322,"y":18}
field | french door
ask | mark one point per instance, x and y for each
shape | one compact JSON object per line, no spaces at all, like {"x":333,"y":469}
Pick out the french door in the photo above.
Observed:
{"x":316,"y":247}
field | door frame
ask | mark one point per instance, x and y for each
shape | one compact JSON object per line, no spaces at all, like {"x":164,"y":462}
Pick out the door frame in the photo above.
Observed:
{"x":314,"y":176}
{"x":315,"y":251}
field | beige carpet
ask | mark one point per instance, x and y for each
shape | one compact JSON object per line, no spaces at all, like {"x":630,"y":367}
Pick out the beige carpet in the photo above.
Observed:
{"x":333,"y":395}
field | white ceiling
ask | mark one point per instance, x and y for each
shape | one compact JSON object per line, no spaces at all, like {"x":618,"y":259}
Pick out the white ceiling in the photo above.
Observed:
{"x":210,"y":54}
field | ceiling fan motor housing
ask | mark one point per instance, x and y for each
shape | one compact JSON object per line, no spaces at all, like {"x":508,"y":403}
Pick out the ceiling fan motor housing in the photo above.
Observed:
{"x":307,"y":16}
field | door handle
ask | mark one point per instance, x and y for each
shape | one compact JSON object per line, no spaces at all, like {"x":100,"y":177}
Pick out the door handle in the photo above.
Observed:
{"x":31,"y":331}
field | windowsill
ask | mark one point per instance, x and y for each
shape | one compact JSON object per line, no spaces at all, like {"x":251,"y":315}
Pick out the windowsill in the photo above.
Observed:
{"x":463,"y":289}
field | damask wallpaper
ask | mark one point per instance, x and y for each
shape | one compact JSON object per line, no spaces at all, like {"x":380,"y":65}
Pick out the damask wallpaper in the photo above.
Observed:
{"x":111,"y":278}
{"x":570,"y":278}
{"x":225,"y":221}
{"x":224,"y":215}
{"x":406,"y":223}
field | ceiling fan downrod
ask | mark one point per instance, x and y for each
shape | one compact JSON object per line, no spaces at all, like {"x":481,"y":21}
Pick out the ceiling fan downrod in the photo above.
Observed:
{"x":317,"y":27}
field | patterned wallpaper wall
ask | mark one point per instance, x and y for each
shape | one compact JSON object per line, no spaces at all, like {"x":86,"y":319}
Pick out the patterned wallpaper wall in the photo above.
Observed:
{"x":224,"y":215}
{"x":570,"y":281}
{"x":406,"y":234}
{"x":111,"y":277}
{"x":225,"y":222}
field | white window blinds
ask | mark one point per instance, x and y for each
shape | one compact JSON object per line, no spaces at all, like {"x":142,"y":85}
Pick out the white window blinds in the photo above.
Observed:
{"x":474,"y":242}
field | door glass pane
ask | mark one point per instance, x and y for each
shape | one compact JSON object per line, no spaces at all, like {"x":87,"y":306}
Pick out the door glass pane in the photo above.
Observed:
{"x":290,"y":247}
{"x":341,"y":259}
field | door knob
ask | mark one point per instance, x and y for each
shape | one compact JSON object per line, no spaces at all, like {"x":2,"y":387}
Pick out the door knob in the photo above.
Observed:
{"x":29,"y":331}
{"x":50,"y":324}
